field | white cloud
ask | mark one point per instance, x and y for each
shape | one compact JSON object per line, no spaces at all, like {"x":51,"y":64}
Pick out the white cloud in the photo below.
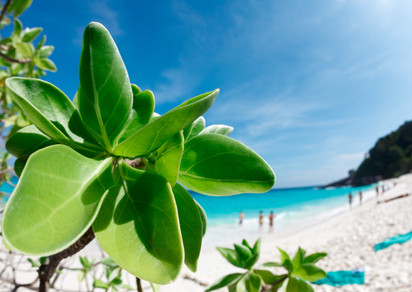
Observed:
{"x":177,"y":86}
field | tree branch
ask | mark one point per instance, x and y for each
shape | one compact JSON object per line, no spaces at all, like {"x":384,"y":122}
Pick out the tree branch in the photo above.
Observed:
{"x":4,"y":9}
{"x":47,"y":270}
{"x":10,"y":59}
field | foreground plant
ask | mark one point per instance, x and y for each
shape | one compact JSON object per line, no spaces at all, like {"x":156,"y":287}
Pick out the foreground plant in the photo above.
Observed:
{"x":299,"y":271}
{"x":107,"y":166}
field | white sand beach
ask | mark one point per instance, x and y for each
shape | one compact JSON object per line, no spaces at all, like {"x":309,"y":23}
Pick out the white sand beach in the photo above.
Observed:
{"x":348,"y":238}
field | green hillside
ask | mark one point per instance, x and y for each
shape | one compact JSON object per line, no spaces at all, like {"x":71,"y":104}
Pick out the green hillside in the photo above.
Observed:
{"x":390,"y":157}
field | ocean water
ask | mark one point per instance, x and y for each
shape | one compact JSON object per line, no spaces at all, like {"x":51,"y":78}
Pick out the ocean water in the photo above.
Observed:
{"x":294,"y":208}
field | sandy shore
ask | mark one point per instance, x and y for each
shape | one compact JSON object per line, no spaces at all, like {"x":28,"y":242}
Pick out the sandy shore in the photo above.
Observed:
{"x":348,"y":238}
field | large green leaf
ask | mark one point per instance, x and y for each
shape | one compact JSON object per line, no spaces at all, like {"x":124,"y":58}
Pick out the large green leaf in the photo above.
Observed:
{"x":168,"y":158}
{"x":26,"y":141}
{"x":309,"y":272}
{"x":105,"y":95}
{"x":191,"y":225}
{"x":218,"y":165}
{"x":55,"y":201}
{"x":225,"y":281}
{"x":50,"y":110}
{"x":161,"y":129}
{"x":138,"y":227}
{"x":142,"y":111}
{"x":251,"y":282}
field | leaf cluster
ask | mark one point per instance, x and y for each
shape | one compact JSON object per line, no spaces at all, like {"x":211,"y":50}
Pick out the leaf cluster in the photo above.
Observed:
{"x":299,"y":270}
{"x":19,"y":56}
{"x":108,"y":161}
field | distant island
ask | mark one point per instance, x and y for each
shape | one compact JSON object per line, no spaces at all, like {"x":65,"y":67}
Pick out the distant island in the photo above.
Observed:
{"x":390,"y":157}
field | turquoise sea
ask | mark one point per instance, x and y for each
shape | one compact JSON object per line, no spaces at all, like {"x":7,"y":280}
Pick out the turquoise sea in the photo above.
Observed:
{"x":293,"y":207}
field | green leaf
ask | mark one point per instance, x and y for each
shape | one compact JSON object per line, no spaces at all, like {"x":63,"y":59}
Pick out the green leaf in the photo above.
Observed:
{"x":297,"y":260}
{"x":198,"y":126}
{"x":286,"y":261}
{"x":19,"y":6}
{"x":26,"y":141}
{"x":245,"y":243}
{"x":251,"y":282}
{"x":50,"y":110}
{"x":46,"y":51}
{"x":218,"y":165}
{"x":155,"y":287}
{"x":53,"y":206}
{"x":18,"y":26}
{"x":243,"y":253}
{"x":109,"y":262}
{"x":105,"y":95}
{"x":142,"y":111}
{"x":191,"y":225}
{"x":45,"y":64}
{"x":100,"y":284}
{"x":30,"y":34}
{"x":296,"y":285}
{"x":314,"y":258}
{"x":272,"y":264}
{"x":269,"y":278}
{"x":228,"y":280}
{"x":256,"y":246}
{"x":217,"y":129}
{"x":309,"y":272}
{"x":203,"y":217}
{"x":25,"y":50}
{"x":251,"y":261}
{"x":161,"y":129}
{"x":168,"y":158}
{"x":138,"y":227}
{"x":230,"y":255}
{"x":41,"y":43}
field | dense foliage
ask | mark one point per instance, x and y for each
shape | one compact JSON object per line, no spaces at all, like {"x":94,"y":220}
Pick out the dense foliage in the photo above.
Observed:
{"x":297,"y":273}
{"x":19,"y":56}
{"x":390,"y":157}
{"x":107,"y":165}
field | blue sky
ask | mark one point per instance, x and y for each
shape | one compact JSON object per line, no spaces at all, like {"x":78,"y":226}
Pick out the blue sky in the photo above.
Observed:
{"x":309,"y":85}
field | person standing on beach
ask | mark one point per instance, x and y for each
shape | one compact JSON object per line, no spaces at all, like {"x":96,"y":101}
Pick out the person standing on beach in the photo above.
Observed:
{"x":350,"y":200}
{"x":260,"y":220}
{"x":241,"y":218}
{"x":271,"y":219}
{"x":360,"y":198}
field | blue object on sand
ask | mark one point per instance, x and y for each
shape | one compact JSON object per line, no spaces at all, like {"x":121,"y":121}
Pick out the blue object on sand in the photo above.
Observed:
{"x":341,"y":278}
{"x":401,"y":238}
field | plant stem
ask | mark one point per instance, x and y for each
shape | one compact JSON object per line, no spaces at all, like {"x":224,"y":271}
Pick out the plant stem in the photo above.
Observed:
{"x":139,"y":285}
{"x":4,"y":9}
{"x":47,"y":270}
{"x":10,"y":59}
